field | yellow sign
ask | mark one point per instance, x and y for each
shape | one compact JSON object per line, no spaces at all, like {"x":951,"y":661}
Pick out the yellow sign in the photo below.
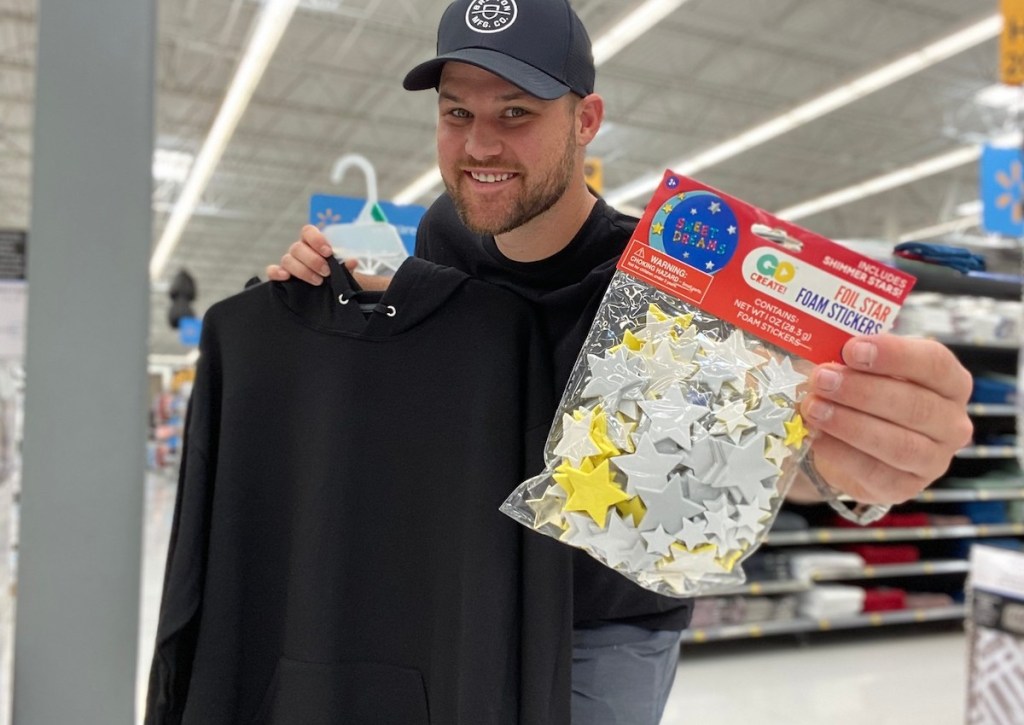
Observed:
{"x":593,"y":171}
{"x":1011,"y":43}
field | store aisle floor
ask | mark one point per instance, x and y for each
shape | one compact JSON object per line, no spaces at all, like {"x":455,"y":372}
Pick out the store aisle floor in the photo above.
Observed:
{"x":879,"y":678}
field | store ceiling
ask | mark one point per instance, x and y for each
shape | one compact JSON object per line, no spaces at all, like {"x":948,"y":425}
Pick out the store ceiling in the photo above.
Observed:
{"x":709,"y":71}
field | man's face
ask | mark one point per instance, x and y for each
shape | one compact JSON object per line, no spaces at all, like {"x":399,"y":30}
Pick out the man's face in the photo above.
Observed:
{"x":505,"y":156}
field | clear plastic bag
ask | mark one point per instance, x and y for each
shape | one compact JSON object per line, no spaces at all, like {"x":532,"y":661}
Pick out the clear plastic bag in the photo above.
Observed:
{"x":676,"y":440}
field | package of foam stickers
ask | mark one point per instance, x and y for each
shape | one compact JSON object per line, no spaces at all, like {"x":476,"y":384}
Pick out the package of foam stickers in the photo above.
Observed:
{"x":679,"y":434}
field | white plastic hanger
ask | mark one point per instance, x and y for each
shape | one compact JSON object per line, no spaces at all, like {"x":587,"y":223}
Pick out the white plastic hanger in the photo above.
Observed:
{"x":345,"y":163}
{"x":375,"y":245}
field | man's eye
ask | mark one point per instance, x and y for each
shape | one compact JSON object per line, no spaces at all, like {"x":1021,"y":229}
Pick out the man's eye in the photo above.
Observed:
{"x":459,"y":113}
{"x":516,"y":112}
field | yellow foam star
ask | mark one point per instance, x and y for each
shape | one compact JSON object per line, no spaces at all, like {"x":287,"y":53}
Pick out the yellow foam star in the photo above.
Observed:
{"x":667,"y":208}
{"x":599,"y":434}
{"x":594,"y":492}
{"x":657,"y":228}
{"x":561,"y":474}
{"x":728,"y":561}
{"x":796,"y":432}
{"x":632,"y":342}
{"x":656,"y":313}
{"x":633,"y":507}
{"x":702,"y":549}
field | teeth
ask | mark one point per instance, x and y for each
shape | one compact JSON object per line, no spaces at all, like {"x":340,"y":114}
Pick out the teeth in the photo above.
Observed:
{"x":490,"y":178}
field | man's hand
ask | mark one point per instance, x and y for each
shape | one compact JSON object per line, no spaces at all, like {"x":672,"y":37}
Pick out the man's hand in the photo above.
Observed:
{"x":306,"y":259}
{"x":889,"y":421}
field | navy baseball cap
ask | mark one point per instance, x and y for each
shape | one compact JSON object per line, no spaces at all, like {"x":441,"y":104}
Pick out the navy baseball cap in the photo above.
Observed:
{"x":538,"y":45}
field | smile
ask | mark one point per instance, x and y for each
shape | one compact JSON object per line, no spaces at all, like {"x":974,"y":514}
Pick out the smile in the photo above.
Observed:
{"x":490,"y":178}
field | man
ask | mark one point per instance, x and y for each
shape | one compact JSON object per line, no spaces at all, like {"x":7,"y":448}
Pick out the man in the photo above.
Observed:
{"x":516,"y":113}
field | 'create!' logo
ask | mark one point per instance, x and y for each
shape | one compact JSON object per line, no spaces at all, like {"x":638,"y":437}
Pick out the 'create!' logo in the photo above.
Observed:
{"x":491,"y":16}
{"x":770,"y":266}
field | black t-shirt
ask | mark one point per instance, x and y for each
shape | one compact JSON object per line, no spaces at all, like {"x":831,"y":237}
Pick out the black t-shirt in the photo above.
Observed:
{"x":566,"y":290}
{"x":338,"y":554}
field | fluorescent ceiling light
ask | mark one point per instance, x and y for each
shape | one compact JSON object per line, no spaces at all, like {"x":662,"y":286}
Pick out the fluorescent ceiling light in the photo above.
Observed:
{"x":418,"y":188}
{"x":899,"y":177}
{"x":631,"y":27}
{"x":938,"y":230}
{"x":270,"y":27}
{"x":202,"y":209}
{"x":1009,"y":140}
{"x":999,"y":96}
{"x":171,"y":165}
{"x":915,"y":62}
{"x":969,"y":208}
{"x":605,"y":47}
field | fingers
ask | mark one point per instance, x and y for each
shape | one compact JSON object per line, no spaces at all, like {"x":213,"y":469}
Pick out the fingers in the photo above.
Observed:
{"x":888,"y":423}
{"x":371,"y":282}
{"x":277,"y":274}
{"x":925,"y":362}
{"x":862,"y":476}
{"x":897,"y":447}
{"x":315,"y":240}
{"x":305,"y":259}
{"x":903,"y":403}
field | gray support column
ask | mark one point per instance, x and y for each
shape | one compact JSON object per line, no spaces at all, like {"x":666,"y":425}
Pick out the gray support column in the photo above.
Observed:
{"x":85,"y":426}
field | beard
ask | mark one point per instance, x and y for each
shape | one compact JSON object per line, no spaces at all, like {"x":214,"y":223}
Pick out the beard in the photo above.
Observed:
{"x":528,"y":204}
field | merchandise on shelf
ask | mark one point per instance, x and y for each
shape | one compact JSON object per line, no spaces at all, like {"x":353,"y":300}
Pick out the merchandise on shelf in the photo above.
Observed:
{"x":995,"y":636}
{"x":828,"y":601}
{"x":884,"y":599}
{"x":960,"y":319}
{"x":167,"y":422}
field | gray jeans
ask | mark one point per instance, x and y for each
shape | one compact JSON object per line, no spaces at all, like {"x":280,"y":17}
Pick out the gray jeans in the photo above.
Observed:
{"x":622,"y":675}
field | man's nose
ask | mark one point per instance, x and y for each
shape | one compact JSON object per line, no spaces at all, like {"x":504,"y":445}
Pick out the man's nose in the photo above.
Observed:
{"x":483,"y":142}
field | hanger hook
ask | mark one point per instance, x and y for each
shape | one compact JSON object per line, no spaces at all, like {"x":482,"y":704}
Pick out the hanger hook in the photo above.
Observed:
{"x":346,"y":162}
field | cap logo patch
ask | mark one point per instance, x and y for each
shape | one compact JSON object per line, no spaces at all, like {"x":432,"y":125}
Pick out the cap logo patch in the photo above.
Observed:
{"x":491,"y":16}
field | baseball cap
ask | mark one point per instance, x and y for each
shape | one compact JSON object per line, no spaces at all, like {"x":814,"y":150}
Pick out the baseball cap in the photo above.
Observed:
{"x":540,"y":46}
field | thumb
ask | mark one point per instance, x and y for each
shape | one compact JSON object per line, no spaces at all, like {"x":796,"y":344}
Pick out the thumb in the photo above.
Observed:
{"x":351,"y":264}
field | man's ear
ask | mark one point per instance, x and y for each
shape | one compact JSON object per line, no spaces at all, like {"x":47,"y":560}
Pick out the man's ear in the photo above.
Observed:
{"x":589,"y":115}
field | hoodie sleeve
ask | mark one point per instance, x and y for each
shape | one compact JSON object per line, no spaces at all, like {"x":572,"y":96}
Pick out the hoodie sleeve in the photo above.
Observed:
{"x":181,"y":603}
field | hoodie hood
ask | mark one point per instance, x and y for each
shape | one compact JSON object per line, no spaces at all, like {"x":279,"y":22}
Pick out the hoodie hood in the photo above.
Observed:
{"x":418,"y":289}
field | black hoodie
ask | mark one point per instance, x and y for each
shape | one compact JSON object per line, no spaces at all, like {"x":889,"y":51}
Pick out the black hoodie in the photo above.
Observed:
{"x":566,"y":290}
{"x":337,"y":554}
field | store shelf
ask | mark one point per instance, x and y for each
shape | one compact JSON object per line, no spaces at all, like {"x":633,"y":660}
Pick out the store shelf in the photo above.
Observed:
{"x":886,"y":571}
{"x":991,"y":409}
{"x":936,"y":278}
{"x":763,"y":588}
{"x":986,"y":343}
{"x":946,"y":495}
{"x":797,"y":626}
{"x":987,"y":452}
{"x":847,"y":536}
{"x":880,"y":571}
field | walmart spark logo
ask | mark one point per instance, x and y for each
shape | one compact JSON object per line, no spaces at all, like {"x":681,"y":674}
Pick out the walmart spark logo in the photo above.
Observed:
{"x":327,"y":217}
{"x":1002,"y":191}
